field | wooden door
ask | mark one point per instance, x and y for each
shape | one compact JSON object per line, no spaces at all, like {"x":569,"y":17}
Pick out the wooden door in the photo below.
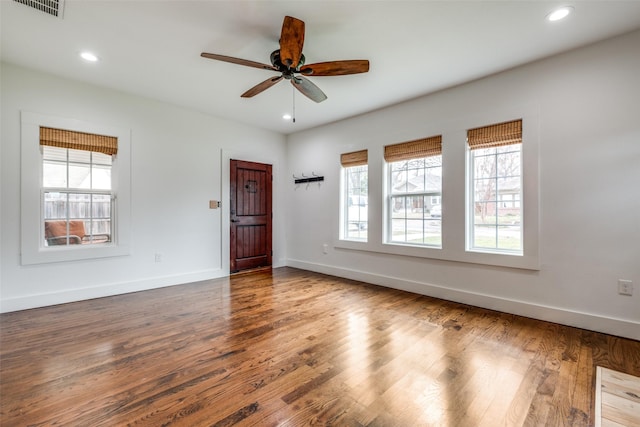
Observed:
{"x":250,"y":215}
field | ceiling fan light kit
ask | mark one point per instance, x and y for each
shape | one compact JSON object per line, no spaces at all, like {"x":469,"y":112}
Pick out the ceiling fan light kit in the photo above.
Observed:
{"x":289,"y":61}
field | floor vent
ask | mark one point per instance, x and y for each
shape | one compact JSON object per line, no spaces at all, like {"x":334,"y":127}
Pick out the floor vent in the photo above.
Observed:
{"x":52,"y":7}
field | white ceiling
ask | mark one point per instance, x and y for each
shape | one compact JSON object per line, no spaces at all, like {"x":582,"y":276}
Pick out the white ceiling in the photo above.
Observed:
{"x":152,"y":48}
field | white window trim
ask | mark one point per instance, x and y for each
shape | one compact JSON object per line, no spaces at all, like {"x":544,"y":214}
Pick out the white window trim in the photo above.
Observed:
{"x":33,"y":250}
{"x":454,"y":182}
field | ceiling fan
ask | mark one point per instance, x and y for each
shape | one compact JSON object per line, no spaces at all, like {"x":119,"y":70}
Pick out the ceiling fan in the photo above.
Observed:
{"x":290,"y":63}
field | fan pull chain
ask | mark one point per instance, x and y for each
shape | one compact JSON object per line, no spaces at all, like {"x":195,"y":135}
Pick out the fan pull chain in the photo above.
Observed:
{"x":293,"y":96}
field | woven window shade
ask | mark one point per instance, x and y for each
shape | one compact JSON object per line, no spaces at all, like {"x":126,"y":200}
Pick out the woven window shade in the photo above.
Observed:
{"x":497,"y":135}
{"x":356,"y":158}
{"x":78,"y":140}
{"x":425,"y":147}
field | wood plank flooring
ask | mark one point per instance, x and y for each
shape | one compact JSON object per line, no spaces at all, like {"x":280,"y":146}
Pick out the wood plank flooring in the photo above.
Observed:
{"x":290,"y":348}
{"x":617,"y":398}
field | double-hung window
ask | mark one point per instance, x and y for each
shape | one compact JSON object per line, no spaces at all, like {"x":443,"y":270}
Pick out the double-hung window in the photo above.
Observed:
{"x":495,"y":214}
{"x":414,"y":193}
{"x":355,"y":198}
{"x":76,"y":193}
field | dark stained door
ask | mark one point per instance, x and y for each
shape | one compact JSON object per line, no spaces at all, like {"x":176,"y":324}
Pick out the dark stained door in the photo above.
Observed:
{"x":250,"y":215}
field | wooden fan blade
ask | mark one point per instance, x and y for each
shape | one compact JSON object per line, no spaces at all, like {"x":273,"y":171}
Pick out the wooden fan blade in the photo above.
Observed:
{"x":260,"y":87}
{"x":336,"y":68}
{"x":238,"y":61}
{"x":291,"y":41}
{"x":308,"y":89}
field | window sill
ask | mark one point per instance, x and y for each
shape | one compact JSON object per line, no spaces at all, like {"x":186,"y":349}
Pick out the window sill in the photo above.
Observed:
{"x":72,"y":253}
{"x":525,"y":262}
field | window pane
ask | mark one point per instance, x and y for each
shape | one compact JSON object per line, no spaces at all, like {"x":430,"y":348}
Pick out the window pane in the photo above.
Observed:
{"x":433,"y":180}
{"x":415,"y":231}
{"x":101,"y":177}
{"x":54,"y":153}
{"x":79,"y":205}
{"x":484,"y":237}
{"x":101,"y":159}
{"x":512,"y":148}
{"x":484,"y":166}
{"x":398,"y":230}
{"x":79,"y":156}
{"x":101,"y":206}
{"x":397,"y":166}
{"x":399,"y":207}
{"x":416,"y":163}
{"x":54,"y":174}
{"x":55,"y":205}
{"x":79,"y":176}
{"x":101,"y":227}
{"x":485,"y":190}
{"x":508,"y":164}
{"x":399,"y":180}
{"x":485,"y":213}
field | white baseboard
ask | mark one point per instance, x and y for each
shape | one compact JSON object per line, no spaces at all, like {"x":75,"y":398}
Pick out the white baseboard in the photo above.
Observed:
{"x":72,"y":295}
{"x":593,"y":322}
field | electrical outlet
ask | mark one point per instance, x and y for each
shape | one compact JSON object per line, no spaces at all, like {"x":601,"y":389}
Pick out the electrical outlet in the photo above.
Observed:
{"x":325,"y":249}
{"x":625,"y":287}
{"x":158,"y":257}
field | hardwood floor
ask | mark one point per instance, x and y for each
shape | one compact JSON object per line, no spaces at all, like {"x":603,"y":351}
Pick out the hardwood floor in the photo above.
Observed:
{"x":291,"y":348}
{"x":617,"y":398}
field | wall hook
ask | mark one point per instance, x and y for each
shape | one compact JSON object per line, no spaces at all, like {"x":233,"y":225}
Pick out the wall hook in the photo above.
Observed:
{"x":307,"y":179}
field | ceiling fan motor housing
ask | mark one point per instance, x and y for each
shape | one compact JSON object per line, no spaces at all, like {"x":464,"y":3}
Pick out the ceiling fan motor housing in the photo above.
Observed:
{"x":286,"y":71}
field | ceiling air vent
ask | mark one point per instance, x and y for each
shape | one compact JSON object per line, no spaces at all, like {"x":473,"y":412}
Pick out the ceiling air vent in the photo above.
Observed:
{"x":52,"y":7}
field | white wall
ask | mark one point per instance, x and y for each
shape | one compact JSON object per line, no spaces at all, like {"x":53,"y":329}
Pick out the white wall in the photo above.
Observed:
{"x":179,"y":161}
{"x":588,"y":128}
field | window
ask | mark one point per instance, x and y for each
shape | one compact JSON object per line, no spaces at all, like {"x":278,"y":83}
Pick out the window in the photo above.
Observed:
{"x":77,"y":196}
{"x":70,"y":175}
{"x":76,"y":187}
{"x":355,"y":195}
{"x":414,"y":192}
{"x":495,"y":214}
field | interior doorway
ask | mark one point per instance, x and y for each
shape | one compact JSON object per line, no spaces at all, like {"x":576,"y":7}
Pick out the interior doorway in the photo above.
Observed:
{"x":251,"y":216}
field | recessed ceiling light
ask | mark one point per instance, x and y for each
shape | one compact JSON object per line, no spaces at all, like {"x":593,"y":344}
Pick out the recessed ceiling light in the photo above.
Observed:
{"x":88,"y":56}
{"x":286,"y":116}
{"x":560,"y":13}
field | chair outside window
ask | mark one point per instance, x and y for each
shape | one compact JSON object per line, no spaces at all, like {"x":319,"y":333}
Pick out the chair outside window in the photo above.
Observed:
{"x":57,"y":233}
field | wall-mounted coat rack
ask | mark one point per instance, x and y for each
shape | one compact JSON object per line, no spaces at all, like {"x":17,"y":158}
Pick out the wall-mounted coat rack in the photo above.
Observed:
{"x":306,"y":179}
